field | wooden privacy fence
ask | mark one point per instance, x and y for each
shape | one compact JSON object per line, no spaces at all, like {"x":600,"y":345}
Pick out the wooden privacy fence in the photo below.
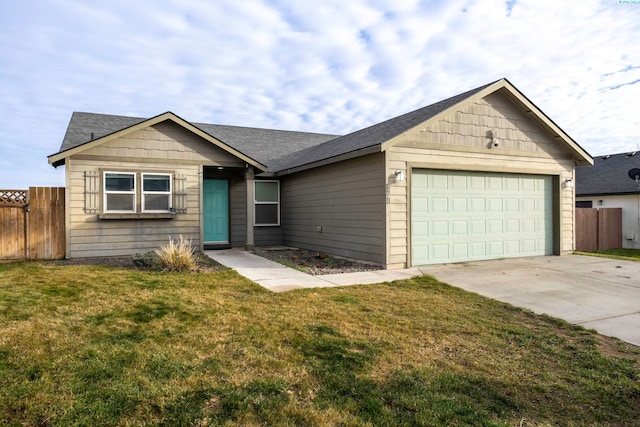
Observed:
{"x":598,"y":229}
{"x":32,"y":223}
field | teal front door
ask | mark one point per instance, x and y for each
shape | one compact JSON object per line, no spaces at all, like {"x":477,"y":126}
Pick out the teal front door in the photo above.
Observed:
{"x":216,"y":211}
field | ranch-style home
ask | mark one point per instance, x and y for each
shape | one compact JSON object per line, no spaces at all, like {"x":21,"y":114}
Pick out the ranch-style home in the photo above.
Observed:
{"x":482,"y":175}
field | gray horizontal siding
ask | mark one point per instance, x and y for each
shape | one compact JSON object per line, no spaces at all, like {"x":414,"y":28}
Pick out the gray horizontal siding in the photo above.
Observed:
{"x":238,"y":212}
{"x":267,"y":236}
{"x":346,"y":200}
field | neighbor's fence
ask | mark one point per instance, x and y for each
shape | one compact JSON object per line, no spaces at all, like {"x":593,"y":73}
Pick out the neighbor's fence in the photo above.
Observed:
{"x":32,"y":223}
{"x":598,"y":229}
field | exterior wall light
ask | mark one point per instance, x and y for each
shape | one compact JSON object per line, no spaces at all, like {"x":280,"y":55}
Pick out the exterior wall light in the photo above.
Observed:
{"x":568,"y":183}
{"x":399,"y":175}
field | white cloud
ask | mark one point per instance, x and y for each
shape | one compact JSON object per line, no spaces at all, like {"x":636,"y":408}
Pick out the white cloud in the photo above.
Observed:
{"x":330,"y":66}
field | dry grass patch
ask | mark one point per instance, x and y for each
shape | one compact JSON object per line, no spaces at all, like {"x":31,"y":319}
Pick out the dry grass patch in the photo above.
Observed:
{"x":88,"y":345}
{"x":624,"y":254}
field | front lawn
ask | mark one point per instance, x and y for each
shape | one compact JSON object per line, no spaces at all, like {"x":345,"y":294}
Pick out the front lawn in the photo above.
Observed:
{"x":87,"y":345}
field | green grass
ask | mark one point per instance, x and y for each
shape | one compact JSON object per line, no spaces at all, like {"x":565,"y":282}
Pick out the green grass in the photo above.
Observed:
{"x":86,"y":345}
{"x":624,"y":254}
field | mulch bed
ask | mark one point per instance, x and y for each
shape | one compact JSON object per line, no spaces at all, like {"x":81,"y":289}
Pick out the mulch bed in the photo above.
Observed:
{"x":204,"y":263}
{"x":314,"y":262}
{"x":310,"y":262}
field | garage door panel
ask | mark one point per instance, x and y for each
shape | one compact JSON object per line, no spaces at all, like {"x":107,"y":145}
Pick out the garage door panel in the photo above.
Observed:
{"x":494,"y":183}
{"x":440,"y":252}
{"x":477,"y":205}
{"x":459,"y":182}
{"x":460,"y":250}
{"x":440,"y":205}
{"x":494,"y":226}
{"x":512,"y":247}
{"x":440,"y":182}
{"x":478,"y":249}
{"x":459,"y":228}
{"x":465,"y":216}
{"x":477,"y":182}
{"x":459,"y":204}
{"x":512,"y":225}
{"x":478,"y":227}
{"x":440,"y":228}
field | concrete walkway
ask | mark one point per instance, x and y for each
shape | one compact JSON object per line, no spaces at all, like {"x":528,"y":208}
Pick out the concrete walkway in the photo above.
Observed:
{"x":279,"y":278}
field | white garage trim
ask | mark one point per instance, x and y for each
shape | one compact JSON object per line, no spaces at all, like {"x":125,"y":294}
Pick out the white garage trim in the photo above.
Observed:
{"x":458,"y":216}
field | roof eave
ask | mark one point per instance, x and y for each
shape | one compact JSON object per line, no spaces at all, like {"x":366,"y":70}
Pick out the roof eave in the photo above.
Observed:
{"x":581,"y":156}
{"x":335,"y":159}
{"x":611,"y":193}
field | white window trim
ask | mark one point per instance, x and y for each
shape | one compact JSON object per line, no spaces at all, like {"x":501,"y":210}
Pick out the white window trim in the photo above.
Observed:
{"x":132,"y":193}
{"x":256,"y":203}
{"x":144,"y":193}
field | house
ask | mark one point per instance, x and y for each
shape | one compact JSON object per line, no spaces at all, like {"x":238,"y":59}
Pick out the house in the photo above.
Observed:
{"x":609,"y":184}
{"x":477,"y":176}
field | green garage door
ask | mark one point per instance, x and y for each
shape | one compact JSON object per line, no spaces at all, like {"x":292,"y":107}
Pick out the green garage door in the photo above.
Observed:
{"x":465,"y":216}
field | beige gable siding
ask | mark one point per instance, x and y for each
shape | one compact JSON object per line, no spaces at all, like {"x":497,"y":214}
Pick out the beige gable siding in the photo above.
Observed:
{"x":165,"y":141}
{"x":470,"y":127}
{"x":460,"y":141}
{"x":337,"y":209}
{"x":164,"y":147}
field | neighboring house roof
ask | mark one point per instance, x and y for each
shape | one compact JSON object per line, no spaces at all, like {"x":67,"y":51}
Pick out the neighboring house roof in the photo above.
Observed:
{"x":286,"y":151}
{"x":608,"y":175}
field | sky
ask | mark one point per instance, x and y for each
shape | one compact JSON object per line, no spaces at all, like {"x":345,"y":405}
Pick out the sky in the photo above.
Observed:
{"x":329,"y":66}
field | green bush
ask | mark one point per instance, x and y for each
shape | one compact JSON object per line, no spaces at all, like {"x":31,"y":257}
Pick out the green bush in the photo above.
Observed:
{"x":149,"y":260}
{"x":177,"y":256}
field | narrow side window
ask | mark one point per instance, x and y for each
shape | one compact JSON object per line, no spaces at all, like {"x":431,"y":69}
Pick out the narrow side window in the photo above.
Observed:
{"x":267,"y":203}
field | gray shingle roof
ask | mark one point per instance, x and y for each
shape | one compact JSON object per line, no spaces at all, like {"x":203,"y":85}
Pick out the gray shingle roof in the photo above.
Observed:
{"x":277,"y":149}
{"x":372,"y":135}
{"x":262,"y":145}
{"x":608,"y":175}
{"x":83,"y":125}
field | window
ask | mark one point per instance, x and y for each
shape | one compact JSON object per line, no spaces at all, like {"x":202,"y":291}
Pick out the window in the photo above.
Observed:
{"x":123,"y":195}
{"x":156,"y":192}
{"x":267,"y":202}
{"x":119,"y":192}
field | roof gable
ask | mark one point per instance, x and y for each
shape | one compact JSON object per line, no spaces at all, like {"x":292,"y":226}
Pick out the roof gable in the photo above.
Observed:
{"x":262,"y":146}
{"x":380,"y":136}
{"x":608,"y":175}
{"x":81,"y":122}
{"x":372,"y":136}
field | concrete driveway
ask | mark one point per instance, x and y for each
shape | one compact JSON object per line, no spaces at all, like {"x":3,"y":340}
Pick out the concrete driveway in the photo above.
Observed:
{"x":597,"y":293}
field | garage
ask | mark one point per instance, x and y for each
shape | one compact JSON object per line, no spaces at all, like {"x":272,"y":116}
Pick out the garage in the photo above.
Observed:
{"x":467,"y":216}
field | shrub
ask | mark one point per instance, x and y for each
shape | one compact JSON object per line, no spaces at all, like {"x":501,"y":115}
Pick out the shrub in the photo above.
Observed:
{"x":177,"y":255}
{"x":147,"y":260}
